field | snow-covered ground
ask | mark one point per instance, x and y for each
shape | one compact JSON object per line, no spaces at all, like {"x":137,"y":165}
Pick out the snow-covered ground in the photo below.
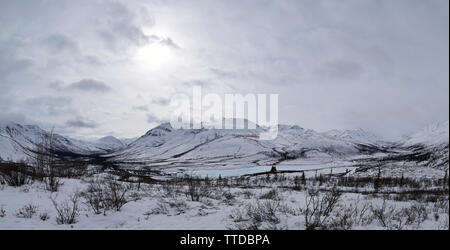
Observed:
{"x":160,"y":206}
{"x":412,"y":194}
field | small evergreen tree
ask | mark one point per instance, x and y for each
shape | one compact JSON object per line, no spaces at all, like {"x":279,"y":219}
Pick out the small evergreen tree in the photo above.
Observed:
{"x":303,"y":178}
{"x":377,"y":182}
{"x":402,"y":181}
{"x":446,"y":183}
{"x":320,"y":180}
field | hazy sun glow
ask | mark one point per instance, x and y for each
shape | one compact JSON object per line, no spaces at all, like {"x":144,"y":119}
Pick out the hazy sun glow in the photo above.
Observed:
{"x":153,"y":56}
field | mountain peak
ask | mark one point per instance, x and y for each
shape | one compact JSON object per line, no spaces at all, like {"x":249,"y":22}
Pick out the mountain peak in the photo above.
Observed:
{"x":358,"y":135}
{"x":433,"y":134}
{"x":160,"y":130}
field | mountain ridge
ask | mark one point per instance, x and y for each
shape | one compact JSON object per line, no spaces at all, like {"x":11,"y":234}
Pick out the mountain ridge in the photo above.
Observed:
{"x":164,"y":145}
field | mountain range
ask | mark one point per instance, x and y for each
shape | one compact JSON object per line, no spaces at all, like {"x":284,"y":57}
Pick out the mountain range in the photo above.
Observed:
{"x":164,"y":146}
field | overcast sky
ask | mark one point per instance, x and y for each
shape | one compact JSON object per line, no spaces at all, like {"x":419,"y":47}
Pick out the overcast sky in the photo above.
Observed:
{"x":95,"y":68}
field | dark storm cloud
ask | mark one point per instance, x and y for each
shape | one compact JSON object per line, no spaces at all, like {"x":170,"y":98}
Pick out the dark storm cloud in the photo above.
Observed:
{"x":90,"y":85}
{"x":79,"y":122}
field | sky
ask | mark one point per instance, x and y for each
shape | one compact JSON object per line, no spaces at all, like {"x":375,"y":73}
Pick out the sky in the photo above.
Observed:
{"x":91,"y":68}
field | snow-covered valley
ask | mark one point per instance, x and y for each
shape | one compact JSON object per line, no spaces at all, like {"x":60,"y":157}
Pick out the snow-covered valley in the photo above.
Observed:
{"x":224,"y":179}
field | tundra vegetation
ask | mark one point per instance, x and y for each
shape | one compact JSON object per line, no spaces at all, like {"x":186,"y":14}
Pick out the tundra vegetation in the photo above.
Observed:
{"x":49,"y":195}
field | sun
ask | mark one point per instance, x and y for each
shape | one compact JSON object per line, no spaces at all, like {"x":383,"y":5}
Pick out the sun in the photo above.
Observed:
{"x":153,"y":56}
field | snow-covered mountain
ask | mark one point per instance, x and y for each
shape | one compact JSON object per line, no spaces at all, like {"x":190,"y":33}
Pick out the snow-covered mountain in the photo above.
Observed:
{"x":16,"y":142}
{"x":166,"y":145}
{"x":109,"y":143}
{"x":357,"y":135}
{"x":432,"y":135}
{"x":430,"y":145}
{"x":128,"y":141}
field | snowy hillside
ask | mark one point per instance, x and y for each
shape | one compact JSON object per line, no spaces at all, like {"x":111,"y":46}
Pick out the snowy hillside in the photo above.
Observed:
{"x":357,"y":135}
{"x":166,"y":145}
{"x":432,"y":143}
{"x":432,"y":135}
{"x":17,"y":140}
{"x":421,"y":153}
{"x":109,"y":143}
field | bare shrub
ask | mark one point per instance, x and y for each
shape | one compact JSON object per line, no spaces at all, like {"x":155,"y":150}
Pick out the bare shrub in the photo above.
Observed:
{"x":237,"y":215}
{"x":441,"y":206}
{"x":27,"y":211}
{"x":270,"y":195}
{"x":257,"y":216}
{"x":2,"y":211}
{"x":17,"y":179}
{"x":94,"y":196}
{"x":285,"y":209}
{"x":196,"y":189}
{"x":106,"y":194}
{"x":444,"y":225}
{"x":68,"y":210}
{"x":115,"y":194}
{"x":383,"y":213}
{"x":228,"y":197}
{"x":15,"y":175}
{"x":416,"y":214}
{"x":161,"y":208}
{"x":247,"y":194}
{"x":170,"y":189}
{"x":345,"y":217}
{"x":45,"y":161}
{"x":263,"y":211}
{"x":393,"y":219}
{"x":169,"y":207}
{"x":52,"y":183}
{"x":44,"y":216}
{"x":319,"y":208}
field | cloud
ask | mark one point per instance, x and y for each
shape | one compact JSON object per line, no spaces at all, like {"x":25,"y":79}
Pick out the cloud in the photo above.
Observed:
{"x":393,"y":54}
{"x":79,"y":122}
{"x":161,"y":101}
{"x":11,"y":61}
{"x":56,"y":85}
{"x":50,"y":105}
{"x":91,"y":60}
{"x":141,"y":108}
{"x":120,"y":28}
{"x":90,"y":85}
{"x":5,"y":118}
{"x":169,"y":42}
{"x":48,"y":101}
{"x":153,"y":119}
{"x":340,"y":70}
{"x":59,"y":43}
{"x":223,"y":74}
